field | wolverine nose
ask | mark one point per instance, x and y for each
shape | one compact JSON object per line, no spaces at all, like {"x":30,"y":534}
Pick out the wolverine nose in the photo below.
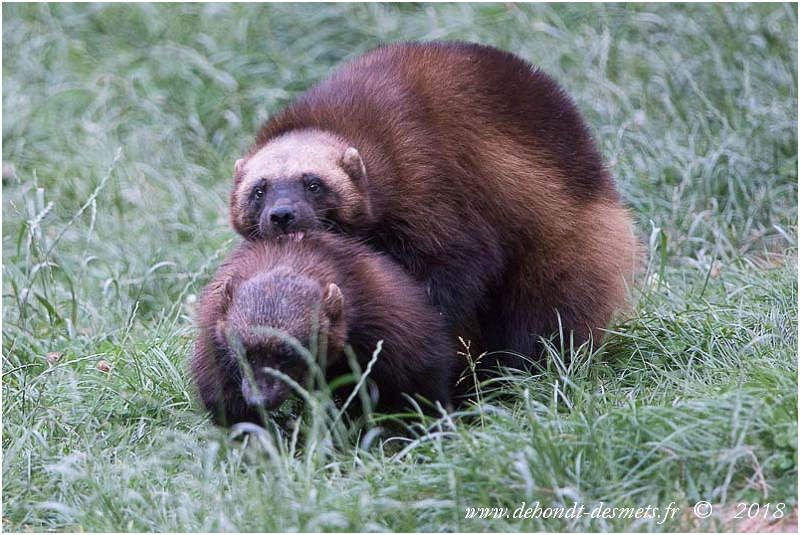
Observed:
{"x":264,"y":392}
{"x":281,"y":216}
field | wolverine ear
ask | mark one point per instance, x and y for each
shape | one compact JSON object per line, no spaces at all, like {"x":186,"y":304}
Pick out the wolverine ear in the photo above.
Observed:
{"x":226,"y":289}
{"x":353,"y":165}
{"x":220,"y":335}
{"x":238,"y":169}
{"x":227,"y":341}
{"x":333,"y":302}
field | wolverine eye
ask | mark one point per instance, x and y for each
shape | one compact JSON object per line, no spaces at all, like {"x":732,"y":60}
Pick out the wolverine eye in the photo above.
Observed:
{"x":258,"y":193}
{"x":288,"y":355}
{"x":312,"y":183}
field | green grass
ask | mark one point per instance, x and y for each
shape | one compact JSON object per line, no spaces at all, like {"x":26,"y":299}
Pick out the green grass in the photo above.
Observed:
{"x":121,"y":125}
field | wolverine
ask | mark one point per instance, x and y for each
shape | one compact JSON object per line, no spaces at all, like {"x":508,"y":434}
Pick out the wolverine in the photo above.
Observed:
{"x":271,"y":299}
{"x":472,"y":169}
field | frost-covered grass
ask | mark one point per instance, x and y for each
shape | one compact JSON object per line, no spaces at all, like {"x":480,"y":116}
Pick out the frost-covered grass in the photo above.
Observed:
{"x":120,"y":127}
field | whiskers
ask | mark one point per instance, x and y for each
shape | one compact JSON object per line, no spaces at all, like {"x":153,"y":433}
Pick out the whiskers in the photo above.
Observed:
{"x":329,"y":224}
{"x":253,"y":232}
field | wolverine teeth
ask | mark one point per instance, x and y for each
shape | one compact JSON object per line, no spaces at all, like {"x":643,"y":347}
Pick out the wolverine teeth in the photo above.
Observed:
{"x":292,"y":236}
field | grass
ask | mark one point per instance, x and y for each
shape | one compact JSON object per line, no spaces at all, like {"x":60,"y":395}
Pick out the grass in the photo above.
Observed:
{"x":121,"y":125}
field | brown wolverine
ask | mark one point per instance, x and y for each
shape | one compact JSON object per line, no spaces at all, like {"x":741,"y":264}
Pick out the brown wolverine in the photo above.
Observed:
{"x":349,"y":293}
{"x":471,"y":168}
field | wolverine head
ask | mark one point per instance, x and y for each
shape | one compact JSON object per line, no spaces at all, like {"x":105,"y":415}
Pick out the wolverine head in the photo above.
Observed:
{"x":271,"y":321}
{"x":300,"y":181}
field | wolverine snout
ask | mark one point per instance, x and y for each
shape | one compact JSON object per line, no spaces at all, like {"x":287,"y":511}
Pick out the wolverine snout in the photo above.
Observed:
{"x":267,"y":392}
{"x":281,"y":217}
{"x":277,"y":220}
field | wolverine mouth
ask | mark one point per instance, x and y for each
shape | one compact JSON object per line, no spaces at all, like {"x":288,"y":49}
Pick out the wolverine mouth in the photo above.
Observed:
{"x":291,"y":236}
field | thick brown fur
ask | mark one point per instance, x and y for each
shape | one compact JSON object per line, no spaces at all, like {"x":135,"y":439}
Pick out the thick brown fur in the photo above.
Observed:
{"x":281,"y":284}
{"x":482,"y":180}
